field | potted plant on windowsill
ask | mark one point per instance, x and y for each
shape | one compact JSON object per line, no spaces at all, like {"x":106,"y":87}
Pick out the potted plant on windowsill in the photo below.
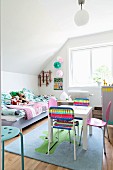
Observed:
{"x":100,"y":74}
{"x":97,"y":79}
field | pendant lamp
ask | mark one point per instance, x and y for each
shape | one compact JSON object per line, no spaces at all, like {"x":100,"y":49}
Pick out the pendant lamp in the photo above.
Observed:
{"x":82,"y":16}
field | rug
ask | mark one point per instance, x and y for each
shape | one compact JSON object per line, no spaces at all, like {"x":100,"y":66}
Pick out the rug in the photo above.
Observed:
{"x":63,"y":155}
{"x":63,"y":136}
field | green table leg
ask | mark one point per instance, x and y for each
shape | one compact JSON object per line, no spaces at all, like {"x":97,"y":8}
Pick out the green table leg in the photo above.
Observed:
{"x":22,"y":151}
{"x":2,"y":155}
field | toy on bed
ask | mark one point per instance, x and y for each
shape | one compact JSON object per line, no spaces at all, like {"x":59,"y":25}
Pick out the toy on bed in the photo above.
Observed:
{"x":15,"y":100}
{"x":18,"y":98}
{"x":22,"y":98}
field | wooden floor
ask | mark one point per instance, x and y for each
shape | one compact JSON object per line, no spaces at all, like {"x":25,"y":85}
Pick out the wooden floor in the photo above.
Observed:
{"x":13,"y":162}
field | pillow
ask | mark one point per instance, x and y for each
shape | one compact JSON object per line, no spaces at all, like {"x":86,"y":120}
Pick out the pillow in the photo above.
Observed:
{"x":3,"y":106}
{"x":6,"y":98}
{"x":13,"y":112}
{"x":41,"y":98}
{"x":26,"y":90}
{"x":29,"y":96}
{"x":8,"y":111}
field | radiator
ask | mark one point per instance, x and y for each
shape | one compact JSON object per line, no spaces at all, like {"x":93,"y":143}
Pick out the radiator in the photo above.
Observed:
{"x":79,"y":94}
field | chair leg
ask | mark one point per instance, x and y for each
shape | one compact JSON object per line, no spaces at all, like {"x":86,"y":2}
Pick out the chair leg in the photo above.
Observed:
{"x":108,"y":134}
{"x":48,"y":146}
{"x":22,"y":151}
{"x":104,"y":141}
{"x":49,"y":142}
{"x":77,"y":130}
{"x":57,"y":137}
{"x":69,"y":136}
{"x":2,"y":155}
{"x":81,"y":136}
{"x":74,"y":144}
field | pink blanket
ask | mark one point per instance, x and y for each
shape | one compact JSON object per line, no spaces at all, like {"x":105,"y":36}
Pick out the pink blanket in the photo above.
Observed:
{"x":31,"y":109}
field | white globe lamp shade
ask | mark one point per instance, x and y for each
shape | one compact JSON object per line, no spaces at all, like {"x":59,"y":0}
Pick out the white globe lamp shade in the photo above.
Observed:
{"x":81,"y":17}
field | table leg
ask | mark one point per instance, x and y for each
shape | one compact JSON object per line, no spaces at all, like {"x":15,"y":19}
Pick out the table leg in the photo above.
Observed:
{"x":84,"y":133}
{"x":2,"y":155}
{"x":90,"y":127}
{"x":22,"y":151}
{"x":50,"y":129}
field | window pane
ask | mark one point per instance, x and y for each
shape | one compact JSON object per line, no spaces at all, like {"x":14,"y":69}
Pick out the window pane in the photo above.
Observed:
{"x":81,"y":66}
{"x":101,"y":63}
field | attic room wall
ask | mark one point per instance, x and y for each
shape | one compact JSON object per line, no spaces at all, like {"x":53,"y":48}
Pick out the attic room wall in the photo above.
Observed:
{"x":99,"y":38}
{"x":16,"y":81}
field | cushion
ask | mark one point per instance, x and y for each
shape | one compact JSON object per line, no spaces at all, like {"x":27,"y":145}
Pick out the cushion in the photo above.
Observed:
{"x":29,"y":96}
{"x":26,"y":90}
{"x":6,"y":98}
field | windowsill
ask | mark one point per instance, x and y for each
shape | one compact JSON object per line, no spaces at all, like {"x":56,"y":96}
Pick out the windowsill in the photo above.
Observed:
{"x":95,"y":86}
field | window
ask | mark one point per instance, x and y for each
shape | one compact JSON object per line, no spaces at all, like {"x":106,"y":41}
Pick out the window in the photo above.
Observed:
{"x":90,"y":65}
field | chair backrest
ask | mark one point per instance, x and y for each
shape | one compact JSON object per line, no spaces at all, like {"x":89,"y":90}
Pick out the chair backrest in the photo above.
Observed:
{"x":108,"y":111}
{"x":52,"y":102}
{"x":61,"y":113}
{"x":81,"y":102}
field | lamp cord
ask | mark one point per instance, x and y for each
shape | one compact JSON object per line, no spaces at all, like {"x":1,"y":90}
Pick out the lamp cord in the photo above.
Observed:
{"x":81,"y":6}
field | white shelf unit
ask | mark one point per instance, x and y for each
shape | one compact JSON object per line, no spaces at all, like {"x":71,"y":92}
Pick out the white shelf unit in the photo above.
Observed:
{"x":107,"y":95}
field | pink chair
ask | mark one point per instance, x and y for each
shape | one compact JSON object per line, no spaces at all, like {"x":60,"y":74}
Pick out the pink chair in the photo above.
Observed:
{"x":100,"y":124}
{"x":52,"y":102}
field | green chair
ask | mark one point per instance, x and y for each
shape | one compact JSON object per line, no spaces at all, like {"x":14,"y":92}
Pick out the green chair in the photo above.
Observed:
{"x":7,"y":133}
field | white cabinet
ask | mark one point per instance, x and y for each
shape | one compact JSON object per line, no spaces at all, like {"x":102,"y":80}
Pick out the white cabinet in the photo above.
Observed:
{"x":107,"y":95}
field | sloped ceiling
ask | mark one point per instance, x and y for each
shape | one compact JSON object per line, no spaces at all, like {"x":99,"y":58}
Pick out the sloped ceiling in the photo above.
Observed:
{"x":32,"y":31}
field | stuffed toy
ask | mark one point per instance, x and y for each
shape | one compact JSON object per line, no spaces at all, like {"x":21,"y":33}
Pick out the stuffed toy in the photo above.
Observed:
{"x":16,"y":100}
{"x":22,"y":98}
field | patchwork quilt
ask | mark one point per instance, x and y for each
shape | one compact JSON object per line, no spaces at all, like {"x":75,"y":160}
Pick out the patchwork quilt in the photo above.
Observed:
{"x":32,"y":109}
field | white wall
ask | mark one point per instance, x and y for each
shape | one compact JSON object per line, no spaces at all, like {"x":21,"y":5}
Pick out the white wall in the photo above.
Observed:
{"x":16,"y":81}
{"x":105,"y":37}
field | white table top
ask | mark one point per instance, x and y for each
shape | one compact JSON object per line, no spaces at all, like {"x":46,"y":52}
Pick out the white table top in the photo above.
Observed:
{"x":80,"y":111}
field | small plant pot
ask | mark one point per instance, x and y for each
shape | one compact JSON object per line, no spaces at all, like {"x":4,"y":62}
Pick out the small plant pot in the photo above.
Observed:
{"x":99,"y":84}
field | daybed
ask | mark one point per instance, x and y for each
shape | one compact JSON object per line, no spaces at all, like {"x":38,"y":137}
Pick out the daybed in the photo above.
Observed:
{"x":23,"y":115}
{"x":21,"y":121}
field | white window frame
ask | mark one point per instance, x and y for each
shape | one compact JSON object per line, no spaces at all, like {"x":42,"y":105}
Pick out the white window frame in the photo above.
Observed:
{"x":83,"y":48}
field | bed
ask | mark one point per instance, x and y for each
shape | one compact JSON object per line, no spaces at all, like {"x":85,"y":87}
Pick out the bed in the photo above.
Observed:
{"x":23,"y":115}
{"x":27,"y":114}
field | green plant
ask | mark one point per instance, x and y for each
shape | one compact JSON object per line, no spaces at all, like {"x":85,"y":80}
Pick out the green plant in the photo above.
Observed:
{"x":101,"y":73}
{"x":97,"y":78}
